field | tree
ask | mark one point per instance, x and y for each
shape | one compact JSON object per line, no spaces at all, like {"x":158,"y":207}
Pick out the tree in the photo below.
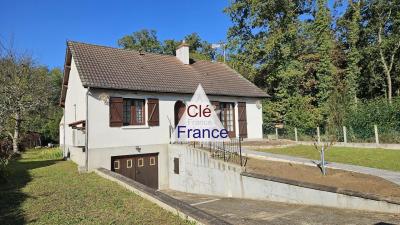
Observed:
{"x":47,"y":121}
{"x":169,"y":47}
{"x":381,"y":41}
{"x":142,"y":40}
{"x":23,"y":92}
{"x":325,"y":45}
{"x":351,"y":25}
{"x":266,"y":43}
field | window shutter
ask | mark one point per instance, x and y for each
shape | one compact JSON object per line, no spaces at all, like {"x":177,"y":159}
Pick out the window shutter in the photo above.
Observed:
{"x":116,"y":110}
{"x":216,"y":108}
{"x":153,"y":113}
{"x":242,"y":119}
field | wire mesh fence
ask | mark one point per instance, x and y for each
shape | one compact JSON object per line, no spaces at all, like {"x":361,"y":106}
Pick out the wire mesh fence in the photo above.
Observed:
{"x":373,"y":134}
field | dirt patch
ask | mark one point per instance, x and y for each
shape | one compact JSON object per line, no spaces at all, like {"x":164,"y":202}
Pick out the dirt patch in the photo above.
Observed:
{"x":341,"y":179}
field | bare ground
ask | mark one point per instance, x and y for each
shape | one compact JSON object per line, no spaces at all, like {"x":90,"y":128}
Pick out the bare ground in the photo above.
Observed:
{"x":341,"y":179}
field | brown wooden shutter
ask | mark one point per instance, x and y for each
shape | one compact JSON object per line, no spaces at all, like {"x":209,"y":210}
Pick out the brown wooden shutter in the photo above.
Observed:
{"x":242,"y":119}
{"x":216,"y":104}
{"x":153,"y":114}
{"x":116,"y":112}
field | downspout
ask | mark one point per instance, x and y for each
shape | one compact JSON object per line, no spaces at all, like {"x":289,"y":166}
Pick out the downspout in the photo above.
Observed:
{"x":87,"y":131}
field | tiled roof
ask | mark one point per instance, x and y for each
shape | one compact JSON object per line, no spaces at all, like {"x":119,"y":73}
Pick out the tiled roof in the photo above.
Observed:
{"x":113,"y":68}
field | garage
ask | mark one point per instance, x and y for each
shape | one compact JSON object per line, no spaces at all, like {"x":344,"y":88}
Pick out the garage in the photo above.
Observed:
{"x":141,"y":168}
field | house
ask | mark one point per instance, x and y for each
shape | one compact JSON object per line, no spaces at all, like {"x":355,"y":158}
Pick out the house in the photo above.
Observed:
{"x":120,"y":105}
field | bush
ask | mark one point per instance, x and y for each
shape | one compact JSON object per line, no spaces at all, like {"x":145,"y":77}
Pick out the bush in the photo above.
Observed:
{"x":361,"y":119}
{"x":6,"y":153}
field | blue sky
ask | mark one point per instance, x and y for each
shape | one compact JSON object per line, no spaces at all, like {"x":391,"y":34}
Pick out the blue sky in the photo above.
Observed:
{"x":42,"y":27}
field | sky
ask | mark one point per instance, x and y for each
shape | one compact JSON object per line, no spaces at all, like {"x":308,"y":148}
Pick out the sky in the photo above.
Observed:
{"x":42,"y":27}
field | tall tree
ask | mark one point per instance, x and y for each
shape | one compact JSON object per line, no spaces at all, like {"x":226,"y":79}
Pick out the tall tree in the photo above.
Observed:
{"x":267,"y":42}
{"x":325,"y":45}
{"x":23,"y":92}
{"x":351,"y":24}
{"x":142,"y":40}
{"x":386,"y":16}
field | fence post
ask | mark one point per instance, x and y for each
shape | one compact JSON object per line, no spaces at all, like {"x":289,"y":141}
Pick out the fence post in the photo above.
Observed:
{"x":318,"y":135}
{"x":376,"y":134}
{"x":276,"y":133}
{"x":295,"y":135}
{"x":344,"y":134}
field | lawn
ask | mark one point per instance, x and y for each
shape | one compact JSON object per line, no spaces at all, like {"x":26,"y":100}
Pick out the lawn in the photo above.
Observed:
{"x":43,"y":189}
{"x":370,"y":157}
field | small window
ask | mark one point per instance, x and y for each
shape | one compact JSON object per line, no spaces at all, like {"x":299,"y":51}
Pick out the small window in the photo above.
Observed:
{"x":140,"y":162}
{"x":116,"y":164}
{"x":152,"y":161}
{"x":129,"y":163}
{"x":176,"y":165}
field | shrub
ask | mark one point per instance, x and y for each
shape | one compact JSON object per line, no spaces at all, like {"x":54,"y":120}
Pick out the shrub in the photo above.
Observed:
{"x":361,"y":119}
{"x":6,"y":153}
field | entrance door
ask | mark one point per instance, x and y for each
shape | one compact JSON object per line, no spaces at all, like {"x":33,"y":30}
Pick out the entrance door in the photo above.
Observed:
{"x":179,"y":110}
{"x":141,"y":168}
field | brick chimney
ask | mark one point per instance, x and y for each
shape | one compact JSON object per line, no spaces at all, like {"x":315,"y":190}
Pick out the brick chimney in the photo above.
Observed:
{"x":182,"y":53}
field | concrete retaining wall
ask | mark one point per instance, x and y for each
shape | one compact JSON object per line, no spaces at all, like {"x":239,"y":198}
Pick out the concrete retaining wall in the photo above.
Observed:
{"x":200,"y":174}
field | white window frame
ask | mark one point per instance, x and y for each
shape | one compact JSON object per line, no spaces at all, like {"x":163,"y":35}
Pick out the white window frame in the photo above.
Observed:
{"x":154,"y":160}
{"x":140,"y":159}
{"x":116,"y":167}
{"x":127,"y":163}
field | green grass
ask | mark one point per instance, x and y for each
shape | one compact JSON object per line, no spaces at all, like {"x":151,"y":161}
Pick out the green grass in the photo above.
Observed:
{"x":369,"y":157}
{"x":43,"y":189}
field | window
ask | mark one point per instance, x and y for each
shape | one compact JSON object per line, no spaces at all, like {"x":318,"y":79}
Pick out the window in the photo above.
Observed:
{"x":129,"y":163}
{"x":133,"y":112}
{"x":140,"y":162}
{"x":176,"y":165}
{"x":152,"y":161}
{"x":227,"y":115}
{"x":116,"y":164}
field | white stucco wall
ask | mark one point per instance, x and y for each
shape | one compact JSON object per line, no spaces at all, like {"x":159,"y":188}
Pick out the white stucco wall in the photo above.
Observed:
{"x":101,"y":135}
{"x":74,"y":110}
{"x":200,"y":174}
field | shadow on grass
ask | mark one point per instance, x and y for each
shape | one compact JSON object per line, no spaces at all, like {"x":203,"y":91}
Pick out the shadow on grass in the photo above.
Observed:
{"x":11,"y":195}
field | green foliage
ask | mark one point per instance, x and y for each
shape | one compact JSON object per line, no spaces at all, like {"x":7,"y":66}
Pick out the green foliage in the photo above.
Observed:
{"x":46,"y":121}
{"x":360,"y":120}
{"x":6,"y":152}
{"x":142,"y":40}
{"x":314,"y":78}
{"x":325,"y":70}
{"x":146,"y":40}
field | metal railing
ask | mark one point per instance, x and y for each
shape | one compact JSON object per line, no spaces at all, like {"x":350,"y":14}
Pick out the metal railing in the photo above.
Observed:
{"x":229,"y":151}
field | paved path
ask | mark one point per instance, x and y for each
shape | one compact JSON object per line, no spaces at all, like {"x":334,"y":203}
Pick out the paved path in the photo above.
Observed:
{"x":246,"y":212}
{"x":385,"y":174}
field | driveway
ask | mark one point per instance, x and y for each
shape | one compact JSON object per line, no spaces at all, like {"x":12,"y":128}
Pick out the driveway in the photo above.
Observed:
{"x":241,"y":211}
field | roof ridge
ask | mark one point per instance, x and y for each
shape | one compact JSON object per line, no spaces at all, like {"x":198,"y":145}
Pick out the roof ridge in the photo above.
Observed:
{"x":136,"y":51}
{"x":121,"y":49}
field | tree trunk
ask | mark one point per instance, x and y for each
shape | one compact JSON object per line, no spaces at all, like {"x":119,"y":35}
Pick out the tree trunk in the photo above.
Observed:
{"x":389,"y":82}
{"x":16,"y":133}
